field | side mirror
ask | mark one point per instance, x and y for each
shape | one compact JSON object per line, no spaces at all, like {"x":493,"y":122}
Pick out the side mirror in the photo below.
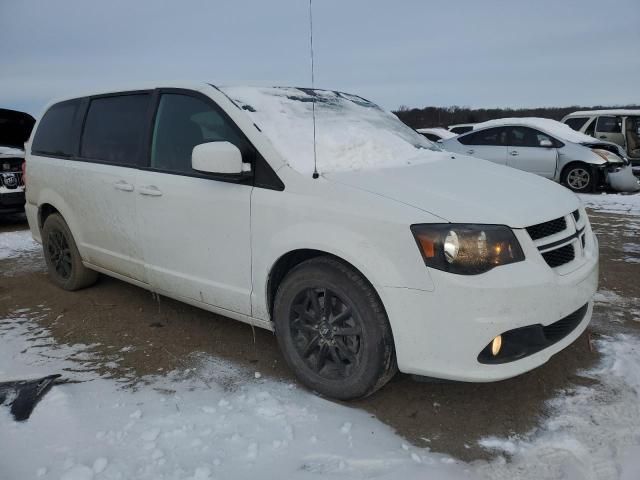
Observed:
{"x":546,"y":143}
{"x":217,"y":157}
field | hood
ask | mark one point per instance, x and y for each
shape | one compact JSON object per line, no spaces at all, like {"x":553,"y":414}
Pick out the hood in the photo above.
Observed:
{"x":15,"y":128}
{"x":467,"y":190}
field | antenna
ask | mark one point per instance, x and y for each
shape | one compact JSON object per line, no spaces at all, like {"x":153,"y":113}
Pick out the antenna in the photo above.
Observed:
{"x":313,"y":97}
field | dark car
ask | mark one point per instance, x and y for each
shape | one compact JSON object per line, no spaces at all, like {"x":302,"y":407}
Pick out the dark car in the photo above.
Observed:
{"x":15,"y":128}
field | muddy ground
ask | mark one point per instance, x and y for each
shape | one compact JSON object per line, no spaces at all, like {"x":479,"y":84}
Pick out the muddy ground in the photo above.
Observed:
{"x":138,"y":334}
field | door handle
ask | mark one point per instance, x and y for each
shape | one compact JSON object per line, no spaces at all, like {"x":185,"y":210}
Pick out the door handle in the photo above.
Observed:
{"x":470,"y":151}
{"x":603,"y":136}
{"x":150,"y":190}
{"x":514,"y":153}
{"x":124,"y":186}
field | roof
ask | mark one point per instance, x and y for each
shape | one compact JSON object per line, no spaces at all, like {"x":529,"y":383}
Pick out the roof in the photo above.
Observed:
{"x":619,"y":111}
{"x":552,"y":127}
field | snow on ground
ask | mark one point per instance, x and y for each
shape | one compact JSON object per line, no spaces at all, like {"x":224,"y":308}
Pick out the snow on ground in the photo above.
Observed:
{"x":14,"y":244}
{"x":613,"y":203}
{"x":211,"y":421}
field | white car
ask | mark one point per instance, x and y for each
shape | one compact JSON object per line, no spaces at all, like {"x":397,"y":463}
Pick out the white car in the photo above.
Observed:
{"x":15,"y":128}
{"x":391,"y":255}
{"x":436,"y":134}
{"x":550,"y":149}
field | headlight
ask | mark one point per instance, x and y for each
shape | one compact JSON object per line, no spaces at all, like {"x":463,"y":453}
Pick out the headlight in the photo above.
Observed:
{"x":466,"y":249}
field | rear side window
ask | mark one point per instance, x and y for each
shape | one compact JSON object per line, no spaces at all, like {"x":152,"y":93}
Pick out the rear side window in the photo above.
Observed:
{"x":576,"y":122}
{"x":609,"y":125}
{"x":55,"y":134}
{"x":527,"y":137}
{"x":114,"y":128}
{"x":490,"y":136}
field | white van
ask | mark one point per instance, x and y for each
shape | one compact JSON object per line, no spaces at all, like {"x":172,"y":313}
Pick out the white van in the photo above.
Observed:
{"x":367,"y":250}
{"x":621,"y":126}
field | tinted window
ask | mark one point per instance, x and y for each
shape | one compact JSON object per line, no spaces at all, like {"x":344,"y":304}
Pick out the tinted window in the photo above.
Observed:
{"x":490,"y":136}
{"x":576,"y":122}
{"x":527,"y":137}
{"x":460,"y":130}
{"x":114,"y":128}
{"x":55,"y":134}
{"x":609,"y":124}
{"x":182,"y":122}
{"x":590,"y":128}
{"x":431,"y":136}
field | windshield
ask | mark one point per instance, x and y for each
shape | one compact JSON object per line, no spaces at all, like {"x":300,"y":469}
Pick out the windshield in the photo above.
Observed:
{"x":351,"y":132}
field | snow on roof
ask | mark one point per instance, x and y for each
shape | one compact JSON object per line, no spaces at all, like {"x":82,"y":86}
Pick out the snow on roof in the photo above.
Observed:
{"x":552,"y":127}
{"x":441,"y":132}
{"x":351,"y":132}
{"x":590,"y":113}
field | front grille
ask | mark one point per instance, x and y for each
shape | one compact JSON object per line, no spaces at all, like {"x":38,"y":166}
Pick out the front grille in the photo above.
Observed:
{"x":5,"y":182}
{"x":560,"y":256}
{"x":547,"y":229}
{"x":563,"y":327}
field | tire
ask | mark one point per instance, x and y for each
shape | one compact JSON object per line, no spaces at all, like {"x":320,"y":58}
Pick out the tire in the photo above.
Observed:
{"x":344,"y":353}
{"x":63,"y":259}
{"x":579,"y":177}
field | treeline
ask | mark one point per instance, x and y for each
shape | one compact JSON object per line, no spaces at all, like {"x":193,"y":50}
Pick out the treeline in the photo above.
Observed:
{"x":444,"y":116}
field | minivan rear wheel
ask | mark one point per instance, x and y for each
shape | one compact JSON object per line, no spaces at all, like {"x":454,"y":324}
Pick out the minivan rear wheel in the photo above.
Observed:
{"x":579,"y":177}
{"x":62,"y":257}
{"x":333,"y":330}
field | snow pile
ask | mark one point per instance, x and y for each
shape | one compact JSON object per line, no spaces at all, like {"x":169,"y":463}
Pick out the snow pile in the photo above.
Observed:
{"x":351,"y":132}
{"x":13,"y":244}
{"x":552,"y":127}
{"x":441,"y":132}
{"x":211,"y":421}
{"x":612,"y":203}
{"x":592,"y":432}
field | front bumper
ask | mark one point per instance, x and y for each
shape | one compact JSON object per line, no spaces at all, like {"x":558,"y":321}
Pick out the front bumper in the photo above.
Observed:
{"x":441,"y":333}
{"x":11,"y":200}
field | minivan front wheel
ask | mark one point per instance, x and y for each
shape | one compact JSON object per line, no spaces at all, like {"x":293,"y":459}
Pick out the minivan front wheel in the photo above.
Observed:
{"x":333,"y":331}
{"x":62,"y":257}
{"x":579,"y":177}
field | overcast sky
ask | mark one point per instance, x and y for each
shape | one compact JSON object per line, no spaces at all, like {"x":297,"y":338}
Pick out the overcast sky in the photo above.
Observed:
{"x":403,"y":52}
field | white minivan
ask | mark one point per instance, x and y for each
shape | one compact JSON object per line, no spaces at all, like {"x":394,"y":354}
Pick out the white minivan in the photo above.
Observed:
{"x":365,"y":247}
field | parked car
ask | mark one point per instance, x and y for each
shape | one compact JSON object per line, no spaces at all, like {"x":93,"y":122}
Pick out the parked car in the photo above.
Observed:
{"x":435,"y":134}
{"x":618,"y":126}
{"x":366,"y":251}
{"x":15,"y":128}
{"x":461,"y":128}
{"x":550,"y":149}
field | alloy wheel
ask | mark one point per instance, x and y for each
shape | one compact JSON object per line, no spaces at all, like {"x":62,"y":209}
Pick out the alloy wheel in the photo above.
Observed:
{"x":59,"y":253}
{"x":326,"y":332}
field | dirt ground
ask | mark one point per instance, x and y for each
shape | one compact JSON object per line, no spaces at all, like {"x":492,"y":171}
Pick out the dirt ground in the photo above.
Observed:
{"x":139,"y":334}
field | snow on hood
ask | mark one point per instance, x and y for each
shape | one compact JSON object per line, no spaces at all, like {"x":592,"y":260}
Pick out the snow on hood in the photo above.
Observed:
{"x":552,"y":127}
{"x":441,"y":132}
{"x":10,"y":152}
{"x":351,"y":132}
{"x":468,"y":190}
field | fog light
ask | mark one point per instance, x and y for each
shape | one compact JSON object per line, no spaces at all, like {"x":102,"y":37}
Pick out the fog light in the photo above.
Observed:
{"x":496,"y":345}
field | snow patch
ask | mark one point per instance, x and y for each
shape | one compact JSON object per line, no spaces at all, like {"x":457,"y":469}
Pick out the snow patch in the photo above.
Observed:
{"x":14,"y":244}
{"x":612,"y":203}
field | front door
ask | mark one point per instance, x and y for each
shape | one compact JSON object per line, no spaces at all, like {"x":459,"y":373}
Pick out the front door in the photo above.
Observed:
{"x":488,"y":144}
{"x":195,"y":229}
{"x":532,"y":151}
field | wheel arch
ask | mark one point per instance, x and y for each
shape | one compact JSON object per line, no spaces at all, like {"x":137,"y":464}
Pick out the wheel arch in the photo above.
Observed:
{"x":285,"y":263}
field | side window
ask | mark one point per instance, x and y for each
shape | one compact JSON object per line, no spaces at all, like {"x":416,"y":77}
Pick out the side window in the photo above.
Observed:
{"x":590,"y":130}
{"x":55,"y":134}
{"x":576,"y":122}
{"x":431,"y":136}
{"x":490,"y":136}
{"x":182,"y":122}
{"x":527,"y":137}
{"x":609,"y":125}
{"x":114,"y":129}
